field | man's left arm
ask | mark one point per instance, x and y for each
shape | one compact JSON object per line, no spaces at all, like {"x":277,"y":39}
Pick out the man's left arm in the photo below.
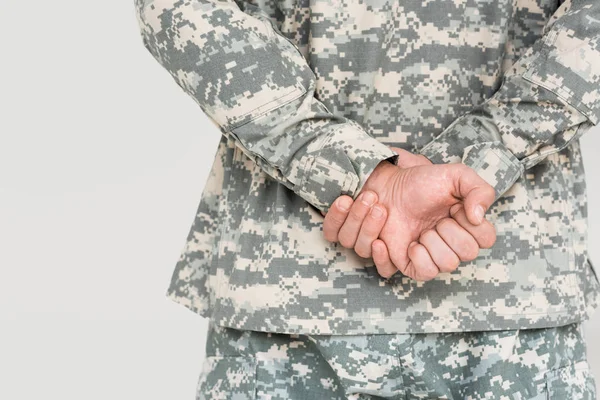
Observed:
{"x":550,"y":96}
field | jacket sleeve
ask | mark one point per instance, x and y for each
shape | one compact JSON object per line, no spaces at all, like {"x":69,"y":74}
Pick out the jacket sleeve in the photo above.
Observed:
{"x":549,"y":97}
{"x":256,"y":86}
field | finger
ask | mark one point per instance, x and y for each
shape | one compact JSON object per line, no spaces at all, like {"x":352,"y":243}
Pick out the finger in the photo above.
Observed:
{"x":441,"y":254}
{"x":459,"y":240}
{"x":484,"y":234}
{"x":370,"y":229}
{"x":478,"y":195}
{"x":349,"y":231}
{"x":381,"y":257}
{"x":454,"y":209}
{"x":336,"y":217}
{"x":421,"y":264}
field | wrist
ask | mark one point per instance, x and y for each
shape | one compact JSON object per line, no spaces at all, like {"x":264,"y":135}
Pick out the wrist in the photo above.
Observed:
{"x":424,"y":158}
{"x":379,"y":176}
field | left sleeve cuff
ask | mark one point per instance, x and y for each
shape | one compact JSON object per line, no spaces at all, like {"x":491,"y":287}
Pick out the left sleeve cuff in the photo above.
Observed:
{"x":495,"y":164}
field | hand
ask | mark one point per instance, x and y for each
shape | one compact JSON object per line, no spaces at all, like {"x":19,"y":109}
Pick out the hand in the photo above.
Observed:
{"x":356,"y":225}
{"x":453,"y":240}
{"x":415,"y":208}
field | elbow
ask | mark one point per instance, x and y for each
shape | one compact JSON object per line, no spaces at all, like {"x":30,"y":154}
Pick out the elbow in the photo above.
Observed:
{"x":146,"y":14}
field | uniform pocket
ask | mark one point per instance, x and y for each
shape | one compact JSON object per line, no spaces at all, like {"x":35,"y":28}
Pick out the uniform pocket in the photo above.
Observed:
{"x":227,"y":377}
{"x":572,"y":382}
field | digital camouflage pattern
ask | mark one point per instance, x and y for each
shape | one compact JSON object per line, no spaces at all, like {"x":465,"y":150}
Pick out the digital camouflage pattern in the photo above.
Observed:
{"x":533,"y":364}
{"x":308,"y":95}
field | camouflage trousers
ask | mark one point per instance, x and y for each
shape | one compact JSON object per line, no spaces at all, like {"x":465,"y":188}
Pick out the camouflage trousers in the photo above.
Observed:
{"x":536,"y":364}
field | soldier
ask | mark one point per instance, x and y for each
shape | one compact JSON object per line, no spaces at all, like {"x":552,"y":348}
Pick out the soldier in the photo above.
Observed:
{"x":397,"y":206}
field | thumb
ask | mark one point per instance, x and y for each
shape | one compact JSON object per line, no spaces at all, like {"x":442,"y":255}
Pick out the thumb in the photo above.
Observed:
{"x":476,"y":193}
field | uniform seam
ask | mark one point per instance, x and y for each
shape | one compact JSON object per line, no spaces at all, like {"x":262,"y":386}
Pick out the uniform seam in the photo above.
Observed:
{"x":269,"y":106}
{"x":547,"y":83}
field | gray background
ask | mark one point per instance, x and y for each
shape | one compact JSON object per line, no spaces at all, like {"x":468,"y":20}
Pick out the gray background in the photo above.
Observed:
{"x":102,"y":162}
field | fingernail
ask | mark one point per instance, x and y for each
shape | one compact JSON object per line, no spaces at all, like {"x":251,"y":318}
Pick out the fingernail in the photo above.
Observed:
{"x":368,"y":198}
{"x":376,"y":212}
{"x":479,"y":213}
{"x":344,"y":204}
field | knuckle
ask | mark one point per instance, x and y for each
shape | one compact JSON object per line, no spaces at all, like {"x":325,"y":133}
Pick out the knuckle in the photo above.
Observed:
{"x":493,"y":238}
{"x":377,"y":251}
{"x":377,"y":207}
{"x":489,"y":191}
{"x":385,"y":272}
{"x":492,"y":234}
{"x":450,"y":264}
{"x":488,"y":240}
{"x":427,"y":235}
{"x":334,"y":220}
{"x":356,"y":212}
{"x":374,"y":194}
{"x":329,"y":236}
{"x":347,"y":242}
{"x":330,"y":222}
{"x":370,"y":229}
{"x":444,"y":224}
{"x":470,"y":253}
{"x":428,"y":274}
{"x":455,"y":262}
{"x":414,"y":253}
{"x":362,"y":252}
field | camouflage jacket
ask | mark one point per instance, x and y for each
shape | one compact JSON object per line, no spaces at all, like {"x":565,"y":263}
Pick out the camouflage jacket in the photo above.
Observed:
{"x":309,"y":95}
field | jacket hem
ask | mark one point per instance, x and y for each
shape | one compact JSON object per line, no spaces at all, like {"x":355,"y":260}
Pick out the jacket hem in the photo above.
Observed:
{"x":356,"y":325}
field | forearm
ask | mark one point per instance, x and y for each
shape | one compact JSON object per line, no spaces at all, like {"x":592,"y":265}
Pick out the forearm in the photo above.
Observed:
{"x":257,"y":88}
{"x":547,"y":99}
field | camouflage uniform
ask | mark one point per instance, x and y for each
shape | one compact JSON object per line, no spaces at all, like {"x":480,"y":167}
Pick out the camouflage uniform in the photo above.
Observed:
{"x":308,"y":95}
{"x":545,"y":363}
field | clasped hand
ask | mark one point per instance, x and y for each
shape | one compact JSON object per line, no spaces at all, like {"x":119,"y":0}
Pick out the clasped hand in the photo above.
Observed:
{"x":418,"y":218}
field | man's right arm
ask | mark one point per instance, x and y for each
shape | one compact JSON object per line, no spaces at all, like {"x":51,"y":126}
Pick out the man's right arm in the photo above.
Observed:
{"x":257,"y":88}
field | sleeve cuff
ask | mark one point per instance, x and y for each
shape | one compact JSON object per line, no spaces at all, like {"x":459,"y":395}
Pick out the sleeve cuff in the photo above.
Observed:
{"x":342,"y":165}
{"x":489,"y":157}
{"x":495,"y":164}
